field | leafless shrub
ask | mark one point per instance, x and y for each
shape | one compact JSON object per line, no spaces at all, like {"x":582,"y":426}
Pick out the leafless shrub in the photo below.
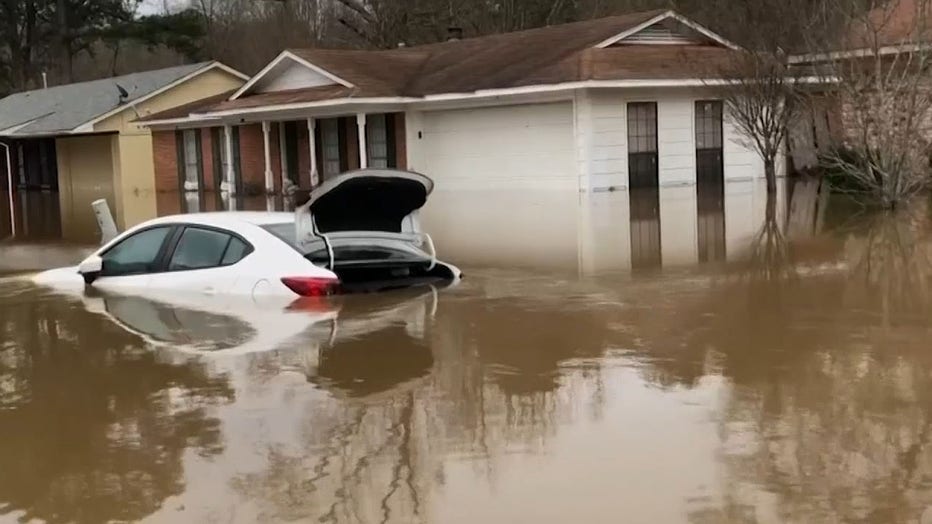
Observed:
{"x":878,"y":71}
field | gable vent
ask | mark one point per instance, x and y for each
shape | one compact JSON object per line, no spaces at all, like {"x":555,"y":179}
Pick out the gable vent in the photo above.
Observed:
{"x":661,"y":34}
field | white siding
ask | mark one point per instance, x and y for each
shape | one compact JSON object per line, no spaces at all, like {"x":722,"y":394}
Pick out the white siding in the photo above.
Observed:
{"x":741,"y":161}
{"x":676,"y":140}
{"x":661,"y":33}
{"x":291,"y":75}
{"x":609,"y":143}
{"x":519,"y":146}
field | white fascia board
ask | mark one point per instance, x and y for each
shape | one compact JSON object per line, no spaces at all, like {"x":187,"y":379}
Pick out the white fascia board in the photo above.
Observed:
{"x":447,"y":97}
{"x":287,"y":55}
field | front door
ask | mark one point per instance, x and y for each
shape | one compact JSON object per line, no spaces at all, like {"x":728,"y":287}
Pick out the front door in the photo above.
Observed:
{"x":642,"y":144}
{"x":710,"y":171}
{"x":645,"y":228}
{"x":291,"y":151}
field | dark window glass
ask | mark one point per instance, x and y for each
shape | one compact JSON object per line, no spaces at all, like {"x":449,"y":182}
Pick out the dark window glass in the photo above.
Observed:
{"x":709,"y":124}
{"x":136,"y":254}
{"x":235,"y":252}
{"x":199,"y":249}
{"x":642,"y":127}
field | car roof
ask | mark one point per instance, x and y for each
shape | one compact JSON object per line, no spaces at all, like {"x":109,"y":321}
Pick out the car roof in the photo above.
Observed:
{"x":228,"y":218}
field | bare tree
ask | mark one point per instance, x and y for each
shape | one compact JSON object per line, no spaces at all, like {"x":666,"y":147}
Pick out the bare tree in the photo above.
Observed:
{"x":762,"y":98}
{"x":879,"y":70}
{"x":760,"y":91}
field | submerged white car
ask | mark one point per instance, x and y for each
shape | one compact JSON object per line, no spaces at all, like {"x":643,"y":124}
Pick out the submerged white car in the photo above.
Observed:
{"x":358,"y":232}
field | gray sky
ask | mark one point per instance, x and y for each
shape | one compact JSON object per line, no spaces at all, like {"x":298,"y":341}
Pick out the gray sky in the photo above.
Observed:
{"x":148,"y":7}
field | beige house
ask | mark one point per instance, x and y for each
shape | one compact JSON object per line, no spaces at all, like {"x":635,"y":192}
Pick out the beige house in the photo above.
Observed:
{"x":81,"y":140}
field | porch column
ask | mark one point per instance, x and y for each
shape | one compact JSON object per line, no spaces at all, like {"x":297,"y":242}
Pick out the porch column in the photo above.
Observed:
{"x":269,"y":181}
{"x":312,"y":148}
{"x":228,"y":183}
{"x":363,"y":148}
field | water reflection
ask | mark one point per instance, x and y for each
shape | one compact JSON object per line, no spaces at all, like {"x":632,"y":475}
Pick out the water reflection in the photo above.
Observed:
{"x":786,"y":381}
{"x":669,"y":227}
{"x":37,"y":215}
{"x":94,"y":425}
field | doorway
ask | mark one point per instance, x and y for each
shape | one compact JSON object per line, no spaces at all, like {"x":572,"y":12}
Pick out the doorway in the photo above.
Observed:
{"x":642,"y":144}
{"x":709,"y":160}
{"x":290,"y":134}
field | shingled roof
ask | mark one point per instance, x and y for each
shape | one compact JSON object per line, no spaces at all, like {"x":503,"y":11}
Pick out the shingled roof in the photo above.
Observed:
{"x":543,"y":56}
{"x":66,"y":108}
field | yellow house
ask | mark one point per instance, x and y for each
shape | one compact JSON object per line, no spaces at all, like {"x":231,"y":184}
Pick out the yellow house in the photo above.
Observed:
{"x":82,"y":140}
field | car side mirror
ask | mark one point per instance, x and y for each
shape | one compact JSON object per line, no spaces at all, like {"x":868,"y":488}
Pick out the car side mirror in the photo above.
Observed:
{"x":90,"y":269}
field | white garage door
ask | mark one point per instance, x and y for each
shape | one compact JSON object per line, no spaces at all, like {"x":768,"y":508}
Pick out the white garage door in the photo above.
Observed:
{"x":526,"y":146}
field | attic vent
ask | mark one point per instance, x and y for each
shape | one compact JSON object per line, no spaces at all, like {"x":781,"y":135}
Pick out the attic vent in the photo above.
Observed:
{"x":661,"y":33}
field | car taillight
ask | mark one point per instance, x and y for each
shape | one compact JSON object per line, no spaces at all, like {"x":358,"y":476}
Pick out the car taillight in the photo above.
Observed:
{"x":312,"y":286}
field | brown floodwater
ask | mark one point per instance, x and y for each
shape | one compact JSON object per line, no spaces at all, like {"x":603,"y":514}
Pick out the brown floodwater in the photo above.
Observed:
{"x":643,"y":357}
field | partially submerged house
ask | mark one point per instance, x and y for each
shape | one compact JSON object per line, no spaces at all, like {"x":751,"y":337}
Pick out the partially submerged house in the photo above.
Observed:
{"x":81,"y":139}
{"x":611,"y":103}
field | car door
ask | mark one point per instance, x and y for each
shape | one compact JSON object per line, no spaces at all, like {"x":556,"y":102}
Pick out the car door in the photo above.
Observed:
{"x":201,"y":260}
{"x":129,"y":265}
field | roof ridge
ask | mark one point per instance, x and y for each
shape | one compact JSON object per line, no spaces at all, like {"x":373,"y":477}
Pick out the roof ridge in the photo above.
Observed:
{"x":648,"y":14}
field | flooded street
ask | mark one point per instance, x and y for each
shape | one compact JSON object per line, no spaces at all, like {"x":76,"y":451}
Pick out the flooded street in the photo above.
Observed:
{"x":614,"y":357}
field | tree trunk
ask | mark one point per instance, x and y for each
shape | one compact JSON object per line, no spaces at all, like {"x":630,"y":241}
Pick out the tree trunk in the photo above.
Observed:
{"x":770,"y":173}
{"x":64,"y":42}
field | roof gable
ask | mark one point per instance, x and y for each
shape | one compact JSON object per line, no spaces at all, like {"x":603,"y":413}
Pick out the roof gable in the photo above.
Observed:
{"x":667,"y":28}
{"x":289,"y":71}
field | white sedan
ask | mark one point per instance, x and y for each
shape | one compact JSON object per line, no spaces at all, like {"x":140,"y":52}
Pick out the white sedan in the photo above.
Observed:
{"x":357,"y":233}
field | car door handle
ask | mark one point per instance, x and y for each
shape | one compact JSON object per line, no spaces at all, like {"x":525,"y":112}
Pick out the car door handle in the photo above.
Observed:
{"x":209,"y":290}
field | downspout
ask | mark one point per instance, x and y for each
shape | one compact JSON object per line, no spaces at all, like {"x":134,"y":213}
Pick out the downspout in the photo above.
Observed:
{"x":9,"y":181}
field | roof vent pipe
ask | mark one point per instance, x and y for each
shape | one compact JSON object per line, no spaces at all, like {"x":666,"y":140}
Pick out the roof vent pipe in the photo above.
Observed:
{"x":454,"y":34}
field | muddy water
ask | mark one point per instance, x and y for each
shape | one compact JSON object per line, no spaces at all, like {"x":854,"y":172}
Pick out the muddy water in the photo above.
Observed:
{"x":611,"y":358}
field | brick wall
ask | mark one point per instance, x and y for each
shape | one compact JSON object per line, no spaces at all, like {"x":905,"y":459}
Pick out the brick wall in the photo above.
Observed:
{"x":165,"y":158}
{"x":304,"y":157}
{"x":252,"y":158}
{"x":275,"y":157}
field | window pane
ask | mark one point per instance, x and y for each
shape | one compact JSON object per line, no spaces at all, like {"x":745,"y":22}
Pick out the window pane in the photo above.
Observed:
{"x":190,"y":156}
{"x":377,"y":140}
{"x":235,"y":252}
{"x":135,"y":255}
{"x":330,"y":135}
{"x":199,"y":249}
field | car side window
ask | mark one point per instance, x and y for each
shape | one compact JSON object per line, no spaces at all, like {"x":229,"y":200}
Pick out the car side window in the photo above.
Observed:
{"x":200,"y":248}
{"x":236,"y":251}
{"x":135,"y":255}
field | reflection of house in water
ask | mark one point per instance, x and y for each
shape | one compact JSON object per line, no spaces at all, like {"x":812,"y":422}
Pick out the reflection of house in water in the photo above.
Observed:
{"x":598,"y":232}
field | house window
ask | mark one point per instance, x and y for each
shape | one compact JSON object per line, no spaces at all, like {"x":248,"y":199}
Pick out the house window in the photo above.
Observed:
{"x":709,"y":124}
{"x":191,"y":160}
{"x":377,"y":141}
{"x":330,"y":147}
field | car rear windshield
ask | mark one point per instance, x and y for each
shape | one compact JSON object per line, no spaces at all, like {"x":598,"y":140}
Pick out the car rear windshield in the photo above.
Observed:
{"x":285,"y":232}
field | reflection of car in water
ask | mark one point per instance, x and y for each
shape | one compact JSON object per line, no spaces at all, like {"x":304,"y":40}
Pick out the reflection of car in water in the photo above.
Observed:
{"x":358,"y":232}
{"x":354,"y":345}
{"x":376,"y":343}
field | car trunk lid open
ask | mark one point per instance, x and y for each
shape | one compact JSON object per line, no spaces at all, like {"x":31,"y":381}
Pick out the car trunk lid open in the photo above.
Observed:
{"x":364,"y":226}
